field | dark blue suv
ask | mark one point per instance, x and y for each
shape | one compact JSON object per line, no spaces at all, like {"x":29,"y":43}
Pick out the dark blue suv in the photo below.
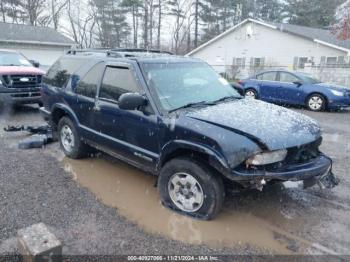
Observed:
{"x":176,"y":118}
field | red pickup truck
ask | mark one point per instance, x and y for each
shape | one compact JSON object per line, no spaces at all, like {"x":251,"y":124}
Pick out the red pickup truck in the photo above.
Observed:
{"x":20,"y":79}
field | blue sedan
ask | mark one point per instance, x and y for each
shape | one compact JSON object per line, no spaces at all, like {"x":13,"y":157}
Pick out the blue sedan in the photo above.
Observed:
{"x":294,"y":88}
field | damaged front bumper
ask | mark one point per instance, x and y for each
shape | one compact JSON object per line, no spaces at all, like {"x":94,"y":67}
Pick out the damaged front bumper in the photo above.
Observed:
{"x":316,"y":171}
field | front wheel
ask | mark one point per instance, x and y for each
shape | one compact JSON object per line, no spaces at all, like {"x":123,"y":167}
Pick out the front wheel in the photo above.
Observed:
{"x":316,"y":103}
{"x":251,"y":93}
{"x":70,"y":141}
{"x":191,"y":188}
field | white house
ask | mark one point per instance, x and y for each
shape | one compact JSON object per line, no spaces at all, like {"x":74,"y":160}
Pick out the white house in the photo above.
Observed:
{"x":254,"y":45}
{"x":42,"y":44}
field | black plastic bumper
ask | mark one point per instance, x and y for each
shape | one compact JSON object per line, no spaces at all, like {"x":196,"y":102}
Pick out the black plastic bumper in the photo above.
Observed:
{"x":317,"y":168}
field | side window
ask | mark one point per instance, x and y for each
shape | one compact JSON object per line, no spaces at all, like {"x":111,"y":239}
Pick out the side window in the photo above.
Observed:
{"x":60,"y":72}
{"x":270,"y":76}
{"x":287,"y":78}
{"x":87,"y":86}
{"x":117,"y":81}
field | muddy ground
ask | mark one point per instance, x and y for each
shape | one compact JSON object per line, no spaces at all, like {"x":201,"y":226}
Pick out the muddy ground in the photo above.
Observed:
{"x":101,"y":206}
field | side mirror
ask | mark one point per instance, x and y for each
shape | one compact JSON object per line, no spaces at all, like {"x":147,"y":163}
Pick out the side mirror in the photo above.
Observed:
{"x":131,"y":101}
{"x":35,"y":63}
{"x":298,"y":83}
{"x":74,"y":82}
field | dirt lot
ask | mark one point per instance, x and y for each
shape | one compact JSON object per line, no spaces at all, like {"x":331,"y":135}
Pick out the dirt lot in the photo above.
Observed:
{"x":101,"y":206}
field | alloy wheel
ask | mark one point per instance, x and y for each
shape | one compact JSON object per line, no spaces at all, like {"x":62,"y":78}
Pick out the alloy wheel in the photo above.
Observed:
{"x":250,"y":94}
{"x":67,"y":138}
{"x":186,"y":192}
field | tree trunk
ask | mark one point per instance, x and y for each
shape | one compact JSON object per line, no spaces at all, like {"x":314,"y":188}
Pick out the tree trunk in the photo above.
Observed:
{"x":134,"y":25}
{"x":137,"y":27}
{"x":3,"y":11}
{"x":159,"y":23}
{"x":189,"y":38}
{"x":151,"y":24}
{"x":196,"y":18}
{"x":145,"y":29}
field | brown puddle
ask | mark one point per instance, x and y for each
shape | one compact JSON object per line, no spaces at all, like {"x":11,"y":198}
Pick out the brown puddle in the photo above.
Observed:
{"x":134,"y":195}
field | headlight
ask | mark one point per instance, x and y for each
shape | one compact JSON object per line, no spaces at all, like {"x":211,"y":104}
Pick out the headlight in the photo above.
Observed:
{"x":0,"y":82}
{"x":337,"y":93}
{"x":267,"y":158}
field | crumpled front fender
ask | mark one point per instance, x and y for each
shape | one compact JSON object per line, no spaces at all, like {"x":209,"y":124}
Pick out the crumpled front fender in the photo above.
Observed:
{"x":216,"y":160}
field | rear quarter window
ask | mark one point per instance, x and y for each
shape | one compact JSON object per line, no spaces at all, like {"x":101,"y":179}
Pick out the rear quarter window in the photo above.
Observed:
{"x":88,"y":84}
{"x":269,"y":76}
{"x":60,"y":72}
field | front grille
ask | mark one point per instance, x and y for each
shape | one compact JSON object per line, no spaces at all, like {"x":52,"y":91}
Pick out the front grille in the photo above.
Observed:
{"x":303,"y":153}
{"x":22,"y":81}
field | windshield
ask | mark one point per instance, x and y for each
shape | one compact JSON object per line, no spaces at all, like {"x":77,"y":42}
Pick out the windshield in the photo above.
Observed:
{"x":308,"y":79}
{"x":179,"y":84}
{"x":13,"y":59}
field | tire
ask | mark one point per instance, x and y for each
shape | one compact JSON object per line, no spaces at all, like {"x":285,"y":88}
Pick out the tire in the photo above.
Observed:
{"x":316,"y":103}
{"x":207,"y":187}
{"x":67,"y":131}
{"x":251,"y":93}
{"x":40,"y":104}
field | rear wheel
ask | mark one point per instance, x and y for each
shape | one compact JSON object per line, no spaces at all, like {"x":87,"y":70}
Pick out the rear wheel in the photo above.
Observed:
{"x":251,"y":93}
{"x":70,"y":141}
{"x":191,"y":188}
{"x":316,"y":102}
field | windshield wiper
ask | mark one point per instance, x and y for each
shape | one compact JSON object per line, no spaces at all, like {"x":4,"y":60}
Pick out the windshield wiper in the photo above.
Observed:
{"x":189,"y":105}
{"x":226,"y":98}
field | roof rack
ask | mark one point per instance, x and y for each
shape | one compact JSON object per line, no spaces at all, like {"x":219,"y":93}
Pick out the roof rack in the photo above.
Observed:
{"x":120,"y":52}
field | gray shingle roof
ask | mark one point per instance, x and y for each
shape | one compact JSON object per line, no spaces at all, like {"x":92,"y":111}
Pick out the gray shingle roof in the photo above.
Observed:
{"x":27,"y":33}
{"x":313,"y":33}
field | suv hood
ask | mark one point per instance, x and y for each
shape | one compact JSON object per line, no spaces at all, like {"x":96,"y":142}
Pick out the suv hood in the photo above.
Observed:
{"x":269,"y":125}
{"x":28,"y":70}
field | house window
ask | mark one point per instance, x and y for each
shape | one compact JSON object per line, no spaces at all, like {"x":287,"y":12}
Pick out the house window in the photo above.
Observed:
{"x":341,"y":60}
{"x":335,"y":61}
{"x":302,"y":61}
{"x":239,"y":62}
{"x":332,"y":60}
{"x":257,"y":62}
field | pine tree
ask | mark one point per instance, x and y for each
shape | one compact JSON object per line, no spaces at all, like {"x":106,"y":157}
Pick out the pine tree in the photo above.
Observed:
{"x":113,"y":27}
{"x":313,"y":13}
{"x":134,"y":7}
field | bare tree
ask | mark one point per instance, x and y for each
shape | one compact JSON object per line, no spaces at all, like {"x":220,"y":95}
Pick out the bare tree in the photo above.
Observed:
{"x":180,"y":9}
{"x":57,"y":7}
{"x":82,"y":21}
{"x":3,"y":10}
{"x":34,"y":9}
